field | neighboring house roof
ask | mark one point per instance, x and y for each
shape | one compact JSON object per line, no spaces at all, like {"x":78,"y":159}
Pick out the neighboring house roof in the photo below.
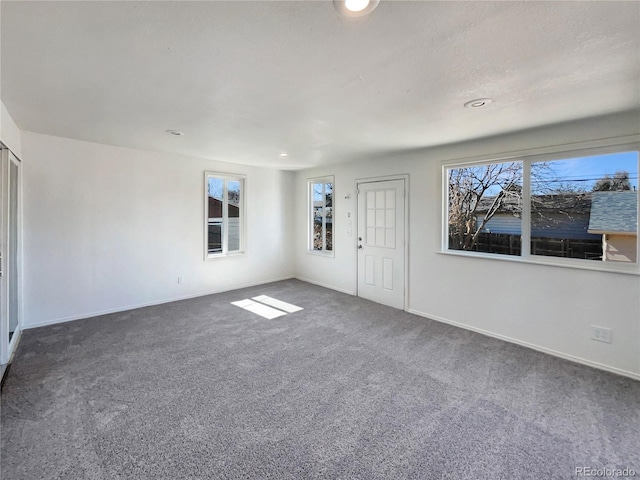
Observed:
{"x":565,"y":203}
{"x":569,"y":203}
{"x":552,"y":225}
{"x":614,"y":212}
{"x":563,"y":216}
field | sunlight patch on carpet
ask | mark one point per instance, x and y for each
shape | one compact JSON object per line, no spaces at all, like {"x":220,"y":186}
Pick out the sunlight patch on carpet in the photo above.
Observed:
{"x":279,"y":304}
{"x":258,"y":308}
{"x":263,"y":306}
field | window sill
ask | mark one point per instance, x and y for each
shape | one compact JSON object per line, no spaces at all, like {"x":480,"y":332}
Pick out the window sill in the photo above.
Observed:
{"x":212,"y":256}
{"x":321,"y":253}
{"x":611,"y":267}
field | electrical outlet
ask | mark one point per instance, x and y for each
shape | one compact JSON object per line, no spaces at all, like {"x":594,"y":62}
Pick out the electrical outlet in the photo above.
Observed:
{"x":601,"y":334}
{"x":180,"y":280}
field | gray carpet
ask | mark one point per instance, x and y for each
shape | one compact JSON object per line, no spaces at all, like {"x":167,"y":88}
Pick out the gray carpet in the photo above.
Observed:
{"x":344,"y":389}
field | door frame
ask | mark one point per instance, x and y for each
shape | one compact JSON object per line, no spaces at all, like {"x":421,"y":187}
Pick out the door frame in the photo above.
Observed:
{"x":7,"y":348}
{"x":385,"y":178}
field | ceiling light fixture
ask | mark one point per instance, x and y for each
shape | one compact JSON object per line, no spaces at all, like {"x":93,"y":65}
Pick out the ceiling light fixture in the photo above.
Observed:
{"x":356,"y":5}
{"x":355,"y":8}
{"x":176,"y":133}
{"x":283,"y":154}
{"x":478,"y":103}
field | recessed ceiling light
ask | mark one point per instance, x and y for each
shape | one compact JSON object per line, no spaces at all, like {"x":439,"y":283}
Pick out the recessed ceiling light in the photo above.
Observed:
{"x":356,"y":5}
{"x":176,"y":133}
{"x":478,"y":103}
{"x":355,"y":8}
{"x":284,"y":154}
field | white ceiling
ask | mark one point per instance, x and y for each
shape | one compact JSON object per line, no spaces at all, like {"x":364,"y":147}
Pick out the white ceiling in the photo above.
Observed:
{"x":248,"y":80}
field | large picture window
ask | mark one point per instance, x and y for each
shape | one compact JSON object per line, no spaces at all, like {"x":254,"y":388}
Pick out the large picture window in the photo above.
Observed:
{"x":321,"y":215}
{"x":583,"y":207}
{"x":224,"y":229}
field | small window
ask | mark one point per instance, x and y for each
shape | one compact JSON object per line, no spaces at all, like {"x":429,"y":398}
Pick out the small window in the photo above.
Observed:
{"x":321,"y":214}
{"x":224,"y":231}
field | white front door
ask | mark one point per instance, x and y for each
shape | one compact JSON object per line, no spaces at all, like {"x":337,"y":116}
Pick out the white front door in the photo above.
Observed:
{"x":381,"y":242}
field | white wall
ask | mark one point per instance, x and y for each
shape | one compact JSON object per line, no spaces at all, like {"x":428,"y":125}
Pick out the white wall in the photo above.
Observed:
{"x":9,"y":132}
{"x":549,"y":308}
{"x":109,"y":228}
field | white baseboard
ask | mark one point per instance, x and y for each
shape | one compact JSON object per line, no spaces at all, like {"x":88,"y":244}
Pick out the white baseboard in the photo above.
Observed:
{"x":148,"y":304}
{"x":548,"y":351}
{"x":320,"y":284}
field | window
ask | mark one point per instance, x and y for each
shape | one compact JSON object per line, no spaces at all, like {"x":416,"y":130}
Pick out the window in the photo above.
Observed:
{"x":321,"y":215}
{"x":485,"y":208}
{"x":583,"y":208}
{"x":224,"y":218}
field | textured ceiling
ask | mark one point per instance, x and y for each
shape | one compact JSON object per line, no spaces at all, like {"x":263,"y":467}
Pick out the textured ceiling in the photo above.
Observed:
{"x":248,"y":80}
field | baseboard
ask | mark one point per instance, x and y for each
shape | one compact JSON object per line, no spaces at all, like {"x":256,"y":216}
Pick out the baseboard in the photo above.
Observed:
{"x":330,"y":287}
{"x":149,"y":304}
{"x":549,"y":351}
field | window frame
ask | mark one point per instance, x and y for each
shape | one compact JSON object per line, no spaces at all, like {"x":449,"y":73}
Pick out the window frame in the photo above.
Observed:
{"x":310,"y":217}
{"x":528,"y":157}
{"x":225,"y":177}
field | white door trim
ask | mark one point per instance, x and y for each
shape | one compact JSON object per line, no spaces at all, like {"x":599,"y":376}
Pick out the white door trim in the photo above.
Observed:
{"x":7,"y":348}
{"x":405,"y":177}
